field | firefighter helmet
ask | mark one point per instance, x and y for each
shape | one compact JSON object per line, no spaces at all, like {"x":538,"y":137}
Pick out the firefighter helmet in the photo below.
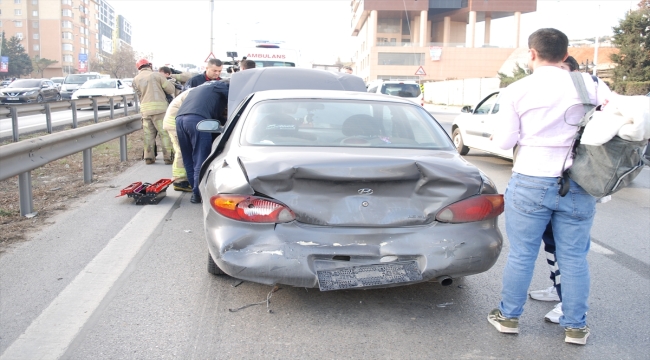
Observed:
{"x":141,"y":63}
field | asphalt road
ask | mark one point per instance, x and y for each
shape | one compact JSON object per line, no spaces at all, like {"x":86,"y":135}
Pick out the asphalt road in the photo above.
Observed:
{"x":32,"y":123}
{"x":111,"y":280}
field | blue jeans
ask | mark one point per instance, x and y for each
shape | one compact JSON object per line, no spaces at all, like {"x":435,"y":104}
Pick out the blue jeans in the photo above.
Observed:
{"x":195,"y":147}
{"x":530,"y":203}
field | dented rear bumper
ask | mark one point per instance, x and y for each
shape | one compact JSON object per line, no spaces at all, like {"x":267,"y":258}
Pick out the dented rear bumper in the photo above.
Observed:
{"x":292,"y":253}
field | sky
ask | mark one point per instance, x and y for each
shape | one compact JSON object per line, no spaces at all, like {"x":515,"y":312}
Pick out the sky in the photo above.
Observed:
{"x":178,"y":31}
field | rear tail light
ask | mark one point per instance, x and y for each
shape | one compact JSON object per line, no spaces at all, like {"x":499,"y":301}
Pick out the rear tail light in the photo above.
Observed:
{"x":251,"y":209}
{"x":477,"y":208}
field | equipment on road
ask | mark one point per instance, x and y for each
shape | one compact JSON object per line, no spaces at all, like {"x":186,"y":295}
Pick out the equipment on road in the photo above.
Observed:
{"x":145,"y":193}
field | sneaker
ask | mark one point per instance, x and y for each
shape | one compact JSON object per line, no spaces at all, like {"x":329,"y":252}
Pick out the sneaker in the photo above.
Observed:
{"x":169,"y":162}
{"x":549,"y":294}
{"x":554,"y":315}
{"x":149,"y":161}
{"x":576,"y":335}
{"x":503,"y":324}
{"x":183,"y":186}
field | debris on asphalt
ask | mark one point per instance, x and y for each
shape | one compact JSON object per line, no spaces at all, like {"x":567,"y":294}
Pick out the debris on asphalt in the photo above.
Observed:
{"x":443,"y":305}
{"x":31,"y":215}
{"x":276,"y":288}
{"x":237,"y":283}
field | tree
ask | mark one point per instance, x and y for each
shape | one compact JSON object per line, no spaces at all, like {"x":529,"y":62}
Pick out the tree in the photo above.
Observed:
{"x":517,"y":73}
{"x":632,"y":37}
{"x":39,"y":64}
{"x":121,"y":64}
{"x":19,"y":62}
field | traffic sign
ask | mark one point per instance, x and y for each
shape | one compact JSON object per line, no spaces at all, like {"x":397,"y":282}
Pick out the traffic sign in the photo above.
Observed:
{"x":420,"y":71}
{"x":211,"y":56}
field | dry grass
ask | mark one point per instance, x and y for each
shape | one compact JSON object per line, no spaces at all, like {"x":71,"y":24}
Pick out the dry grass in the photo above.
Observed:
{"x":58,"y":184}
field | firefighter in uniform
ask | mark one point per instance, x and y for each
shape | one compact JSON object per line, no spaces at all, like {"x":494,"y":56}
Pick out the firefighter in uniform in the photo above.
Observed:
{"x":179,"y":175}
{"x":152,"y":88}
{"x":178,"y":78}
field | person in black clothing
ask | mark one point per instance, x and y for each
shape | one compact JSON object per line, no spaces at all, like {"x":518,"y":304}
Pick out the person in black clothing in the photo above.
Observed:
{"x":207,"y":101}
{"x":212,"y":72}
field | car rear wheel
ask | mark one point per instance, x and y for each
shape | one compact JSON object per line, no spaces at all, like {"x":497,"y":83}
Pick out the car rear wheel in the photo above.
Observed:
{"x":39,"y":98}
{"x":213,"y":268}
{"x":458,"y":142}
{"x":58,"y":97}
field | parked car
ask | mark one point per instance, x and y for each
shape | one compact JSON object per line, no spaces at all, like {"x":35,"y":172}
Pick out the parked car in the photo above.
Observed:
{"x":127,"y":81}
{"x":409,"y":90}
{"x":73,"y":81}
{"x":58,"y":81}
{"x":103,"y":87}
{"x":330,"y":188}
{"x":474,"y":126}
{"x":5,"y":83}
{"x":25,"y":91}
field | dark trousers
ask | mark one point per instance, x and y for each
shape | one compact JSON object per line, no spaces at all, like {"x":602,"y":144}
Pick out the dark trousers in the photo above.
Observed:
{"x":549,"y":248}
{"x":195,"y":147}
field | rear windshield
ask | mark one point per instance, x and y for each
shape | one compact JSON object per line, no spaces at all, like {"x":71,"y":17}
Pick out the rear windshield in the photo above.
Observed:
{"x":57,"y":81}
{"x":401,"y":90}
{"x":25,"y":84}
{"x":79,"y":79}
{"x":342,"y":123}
{"x":99,"y":84}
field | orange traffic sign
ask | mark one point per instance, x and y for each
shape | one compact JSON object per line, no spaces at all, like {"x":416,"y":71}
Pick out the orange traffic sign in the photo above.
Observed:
{"x":420,"y":71}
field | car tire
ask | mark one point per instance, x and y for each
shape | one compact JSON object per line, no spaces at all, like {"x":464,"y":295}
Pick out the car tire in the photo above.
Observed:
{"x":58,"y":97}
{"x":213,"y":268}
{"x":39,"y":99}
{"x":458,"y":142}
{"x":117,"y":105}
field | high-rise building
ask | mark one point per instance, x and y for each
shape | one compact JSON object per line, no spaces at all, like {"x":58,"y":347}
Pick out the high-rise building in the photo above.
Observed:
{"x":63,"y":30}
{"x":397,"y":37}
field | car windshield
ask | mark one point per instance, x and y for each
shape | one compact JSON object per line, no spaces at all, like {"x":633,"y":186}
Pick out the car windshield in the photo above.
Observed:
{"x":25,"y":84}
{"x":79,"y":79}
{"x":99,"y":84}
{"x":57,"y":81}
{"x":402,"y":90}
{"x":342,"y":123}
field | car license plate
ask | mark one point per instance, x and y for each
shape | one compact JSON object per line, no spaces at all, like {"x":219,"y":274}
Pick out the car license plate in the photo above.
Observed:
{"x":12,"y":98}
{"x":368,"y":275}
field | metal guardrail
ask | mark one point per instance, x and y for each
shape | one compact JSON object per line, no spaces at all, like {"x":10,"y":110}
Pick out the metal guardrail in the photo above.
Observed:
{"x":17,"y":110}
{"x":21,"y":157}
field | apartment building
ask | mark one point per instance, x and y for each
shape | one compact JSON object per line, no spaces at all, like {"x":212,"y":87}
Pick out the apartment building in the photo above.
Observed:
{"x":67,"y":31}
{"x":397,"y":37}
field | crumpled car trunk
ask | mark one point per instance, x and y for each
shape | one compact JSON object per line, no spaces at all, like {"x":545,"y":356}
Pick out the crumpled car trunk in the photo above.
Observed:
{"x":361,"y":187}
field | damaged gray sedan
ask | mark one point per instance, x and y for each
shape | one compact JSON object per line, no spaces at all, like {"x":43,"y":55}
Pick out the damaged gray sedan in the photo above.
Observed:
{"x":341,"y":189}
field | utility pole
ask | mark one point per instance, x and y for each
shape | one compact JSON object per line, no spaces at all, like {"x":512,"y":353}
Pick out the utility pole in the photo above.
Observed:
{"x":211,"y":25}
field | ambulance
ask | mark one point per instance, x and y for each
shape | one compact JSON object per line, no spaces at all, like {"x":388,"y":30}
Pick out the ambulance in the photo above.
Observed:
{"x":267,"y":53}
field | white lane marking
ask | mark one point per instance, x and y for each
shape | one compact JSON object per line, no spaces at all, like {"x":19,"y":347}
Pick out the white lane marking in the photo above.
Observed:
{"x":49,"y":335}
{"x":599,"y":249}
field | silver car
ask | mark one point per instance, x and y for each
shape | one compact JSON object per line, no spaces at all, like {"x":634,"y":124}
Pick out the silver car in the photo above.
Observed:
{"x":340,"y":189}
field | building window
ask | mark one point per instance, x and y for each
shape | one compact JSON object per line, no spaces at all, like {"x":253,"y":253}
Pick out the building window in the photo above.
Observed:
{"x":35,"y":13}
{"x":401,"y":59}
{"x":18,"y":23}
{"x":0,"y":22}
{"x":66,"y":12}
{"x":36,"y":47}
{"x":16,"y":1}
{"x":66,"y":2}
{"x":67,"y":35}
{"x":35,"y":36}
{"x":18,"y":12}
{"x":35,"y":24}
{"x":67,"y":24}
{"x":68,"y":47}
{"x":388,"y":26}
{"x":67,"y":58}
{"x":19,"y":36}
{"x":34,"y":2}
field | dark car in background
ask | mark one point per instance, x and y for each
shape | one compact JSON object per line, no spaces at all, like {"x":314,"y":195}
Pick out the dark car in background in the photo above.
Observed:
{"x":315,"y":183}
{"x":26,"y":91}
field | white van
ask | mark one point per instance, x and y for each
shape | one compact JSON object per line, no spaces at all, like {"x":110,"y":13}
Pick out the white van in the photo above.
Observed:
{"x":72,"y":82}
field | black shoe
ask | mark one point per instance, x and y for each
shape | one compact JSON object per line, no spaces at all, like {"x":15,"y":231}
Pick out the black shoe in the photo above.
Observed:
{"x":183,"y":186}
{"x":195,"y":199}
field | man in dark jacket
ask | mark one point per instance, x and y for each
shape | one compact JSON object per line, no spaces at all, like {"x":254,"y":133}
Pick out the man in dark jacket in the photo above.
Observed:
{"x":207,"y":101}
{"x":212,"y":72}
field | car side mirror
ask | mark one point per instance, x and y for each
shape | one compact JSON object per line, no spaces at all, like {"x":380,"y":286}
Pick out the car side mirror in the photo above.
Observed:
{"x":466,"y":109}
{"x":210,"y":126}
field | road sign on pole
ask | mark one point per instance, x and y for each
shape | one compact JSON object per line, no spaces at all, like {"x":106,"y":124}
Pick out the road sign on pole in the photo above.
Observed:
{"x":211,"y":56}
{"x":420,"y":71}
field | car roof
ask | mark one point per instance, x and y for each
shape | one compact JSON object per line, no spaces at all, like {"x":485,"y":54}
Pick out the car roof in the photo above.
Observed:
{"x":326,"y":94}
{"x":244,"y":83}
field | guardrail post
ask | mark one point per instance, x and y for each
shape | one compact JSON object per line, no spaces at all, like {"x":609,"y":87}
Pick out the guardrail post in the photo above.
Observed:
{"x":95,"y":110}
{"x":73,"y":104}
{"x":137,"y":102}
{"x":25,"y":193}
{"x":125,"y":105}
{"x":48,"y":118}
{"x":14,"y":123}
{"x":111,"y":104}
{"x":123,"y":148}
{"x":88,"y":165}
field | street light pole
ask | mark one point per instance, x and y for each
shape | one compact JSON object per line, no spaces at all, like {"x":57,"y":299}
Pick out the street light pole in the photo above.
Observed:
{"x":211,"y":25}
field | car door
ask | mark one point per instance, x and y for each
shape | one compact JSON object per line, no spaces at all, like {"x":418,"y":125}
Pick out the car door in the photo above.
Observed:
{"x":51,"y":90}
{"x":478,"y":129}
{"x":491,"y":123}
